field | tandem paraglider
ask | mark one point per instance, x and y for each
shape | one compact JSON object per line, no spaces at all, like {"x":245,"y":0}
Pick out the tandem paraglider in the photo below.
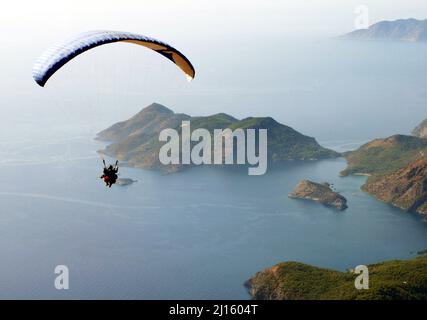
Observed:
{"x":110,"y":173}
{"x":58,"y":55}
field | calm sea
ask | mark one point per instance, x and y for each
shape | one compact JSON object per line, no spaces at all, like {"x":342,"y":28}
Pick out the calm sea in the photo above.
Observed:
{"x":203,"y":232}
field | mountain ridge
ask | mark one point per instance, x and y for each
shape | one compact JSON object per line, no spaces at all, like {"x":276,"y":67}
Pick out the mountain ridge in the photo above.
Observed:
{"x":412,"y":30}
{"x":135,"y":141}
{"x":385,"y":155}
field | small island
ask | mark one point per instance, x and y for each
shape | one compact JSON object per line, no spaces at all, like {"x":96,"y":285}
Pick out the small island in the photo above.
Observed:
{"x":124,"y":181}
{"x":319,"y":192}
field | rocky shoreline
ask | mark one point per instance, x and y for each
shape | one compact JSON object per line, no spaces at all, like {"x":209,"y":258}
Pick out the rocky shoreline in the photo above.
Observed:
{"x":396,"y":168}
{"x":406,"y":188}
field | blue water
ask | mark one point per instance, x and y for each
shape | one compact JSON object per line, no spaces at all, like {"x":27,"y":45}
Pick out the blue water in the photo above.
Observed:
{"x":196,"y":234}
{"x":203,"y":232}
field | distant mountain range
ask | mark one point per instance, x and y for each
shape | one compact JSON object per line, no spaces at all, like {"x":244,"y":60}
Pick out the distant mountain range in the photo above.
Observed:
{"x":136,"y":140}
{"x":403,"y":30}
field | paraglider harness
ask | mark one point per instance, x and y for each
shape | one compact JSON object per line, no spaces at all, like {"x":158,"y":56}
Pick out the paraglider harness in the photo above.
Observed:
{"x":110,"y":174}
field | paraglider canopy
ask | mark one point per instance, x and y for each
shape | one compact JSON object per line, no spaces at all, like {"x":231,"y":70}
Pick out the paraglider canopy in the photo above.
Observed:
{"x":55,"y":57}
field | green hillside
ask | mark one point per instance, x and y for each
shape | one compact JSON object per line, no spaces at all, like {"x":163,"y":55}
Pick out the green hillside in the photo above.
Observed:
{"x":385,"y":155}
{"x":390,"y":280}
{"x":135,"y":141}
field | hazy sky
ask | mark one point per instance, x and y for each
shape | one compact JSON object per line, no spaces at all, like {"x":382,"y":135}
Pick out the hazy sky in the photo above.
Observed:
{"x":246,"y":63}
{"x":46,"y":19}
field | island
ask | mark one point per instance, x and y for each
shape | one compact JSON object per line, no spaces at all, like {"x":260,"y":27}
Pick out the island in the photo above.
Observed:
{"x":412,"y":30}
{"x":389,"y":280}
{"x":135,"y":142}
{"x":319,"y":192}
{"x":125,"y":181}
{"x":397,"y":170}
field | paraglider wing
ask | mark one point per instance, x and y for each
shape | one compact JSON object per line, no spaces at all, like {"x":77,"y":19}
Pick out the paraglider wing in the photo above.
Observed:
{"x":55,"y":57}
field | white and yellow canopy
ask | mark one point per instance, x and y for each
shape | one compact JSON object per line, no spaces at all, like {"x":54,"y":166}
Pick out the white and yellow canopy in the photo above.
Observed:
{"x":56,"y":56}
